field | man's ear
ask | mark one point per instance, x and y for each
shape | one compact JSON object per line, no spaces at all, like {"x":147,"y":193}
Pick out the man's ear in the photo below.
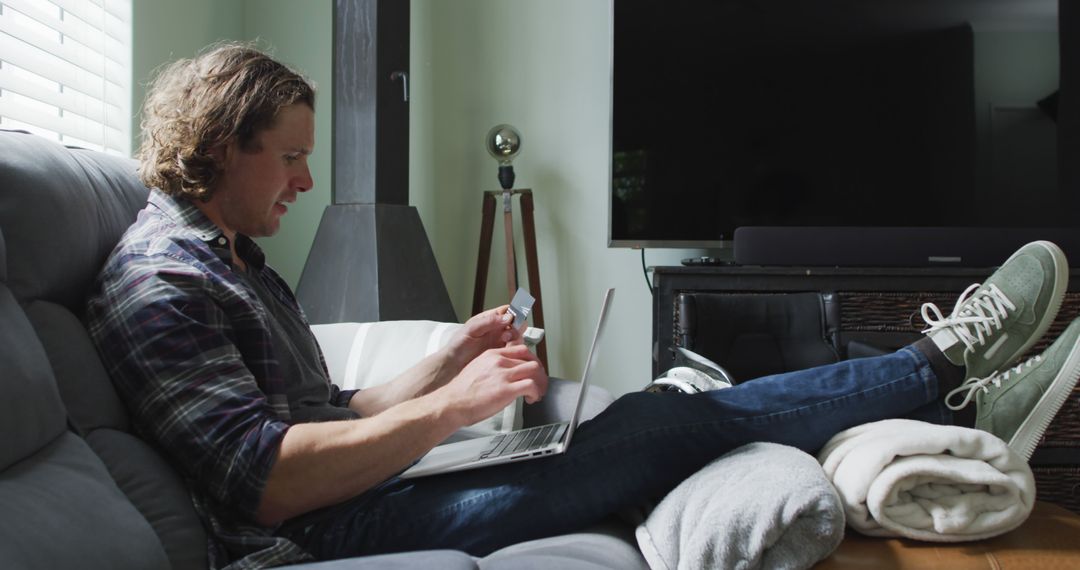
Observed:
{"x":220,"y":154}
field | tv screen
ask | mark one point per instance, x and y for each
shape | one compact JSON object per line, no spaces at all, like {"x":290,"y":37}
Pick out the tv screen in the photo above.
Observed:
{"x":882,"y":113}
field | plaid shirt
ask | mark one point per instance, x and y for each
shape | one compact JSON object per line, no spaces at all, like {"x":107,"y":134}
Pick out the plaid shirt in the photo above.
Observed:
{"x":188,"y":347}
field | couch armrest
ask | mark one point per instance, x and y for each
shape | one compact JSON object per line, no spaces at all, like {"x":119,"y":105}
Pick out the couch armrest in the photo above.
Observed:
{"x":420,"y":560}
{"x":558,"y":403}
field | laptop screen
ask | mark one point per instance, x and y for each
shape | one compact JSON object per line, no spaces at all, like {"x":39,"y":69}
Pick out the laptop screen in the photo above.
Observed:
{"x":589,"y":363}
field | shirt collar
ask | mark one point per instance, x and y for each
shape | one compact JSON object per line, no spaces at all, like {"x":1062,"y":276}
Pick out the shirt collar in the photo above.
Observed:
{"x":185,"y":214}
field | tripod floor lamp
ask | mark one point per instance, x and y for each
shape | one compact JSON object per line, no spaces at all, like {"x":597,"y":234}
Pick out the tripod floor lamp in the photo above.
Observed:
{"x":504,"y":143}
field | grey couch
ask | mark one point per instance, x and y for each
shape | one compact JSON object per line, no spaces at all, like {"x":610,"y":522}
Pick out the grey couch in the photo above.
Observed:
{"x":77,"y":488}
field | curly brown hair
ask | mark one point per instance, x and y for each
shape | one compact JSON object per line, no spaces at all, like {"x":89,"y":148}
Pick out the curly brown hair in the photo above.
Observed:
{"x":229,"y":93}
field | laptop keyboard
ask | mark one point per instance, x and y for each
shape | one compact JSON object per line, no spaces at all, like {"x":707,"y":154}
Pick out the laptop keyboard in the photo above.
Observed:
{"x":521,"y":440}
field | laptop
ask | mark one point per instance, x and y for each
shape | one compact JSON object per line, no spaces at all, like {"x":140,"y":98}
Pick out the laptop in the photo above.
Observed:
{"x":518,"y":445}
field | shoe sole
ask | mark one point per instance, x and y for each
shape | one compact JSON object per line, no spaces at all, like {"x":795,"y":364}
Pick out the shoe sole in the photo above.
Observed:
{"x":1030,"y":432}
{"x":1057,"y":296}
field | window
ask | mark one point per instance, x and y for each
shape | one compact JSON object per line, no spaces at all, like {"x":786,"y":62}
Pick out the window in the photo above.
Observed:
{"x":65,"y":71}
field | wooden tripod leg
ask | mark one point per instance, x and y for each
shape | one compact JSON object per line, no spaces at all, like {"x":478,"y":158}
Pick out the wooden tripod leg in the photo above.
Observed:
{"x":508,"y":235}
{"x":529,"y":231}
{"x":483,"y":257}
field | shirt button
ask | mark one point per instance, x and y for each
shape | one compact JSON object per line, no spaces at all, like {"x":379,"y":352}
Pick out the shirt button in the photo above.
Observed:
{"x":221,"y":241}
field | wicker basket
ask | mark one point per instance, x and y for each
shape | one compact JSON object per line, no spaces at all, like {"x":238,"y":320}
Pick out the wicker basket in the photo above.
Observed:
{"x":1059,"y":485}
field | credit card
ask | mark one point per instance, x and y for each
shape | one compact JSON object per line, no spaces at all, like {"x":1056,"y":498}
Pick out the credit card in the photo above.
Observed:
{"x":520,"y":307}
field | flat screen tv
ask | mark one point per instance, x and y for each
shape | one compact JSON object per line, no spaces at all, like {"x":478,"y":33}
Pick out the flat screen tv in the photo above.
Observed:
{"x":832,"y":113}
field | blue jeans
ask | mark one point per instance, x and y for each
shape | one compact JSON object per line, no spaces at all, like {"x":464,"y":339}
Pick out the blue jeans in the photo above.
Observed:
{"x":641,"y":447}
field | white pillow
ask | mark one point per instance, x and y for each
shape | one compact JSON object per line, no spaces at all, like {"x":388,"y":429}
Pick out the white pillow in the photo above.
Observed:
{"x":362,"y":355}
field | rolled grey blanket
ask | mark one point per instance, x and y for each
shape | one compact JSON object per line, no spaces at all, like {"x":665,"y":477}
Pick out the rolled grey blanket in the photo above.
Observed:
{"x":762,"y":505}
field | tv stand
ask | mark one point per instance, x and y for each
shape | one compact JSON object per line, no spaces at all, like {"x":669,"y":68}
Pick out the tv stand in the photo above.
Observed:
{"x":831,"y":313}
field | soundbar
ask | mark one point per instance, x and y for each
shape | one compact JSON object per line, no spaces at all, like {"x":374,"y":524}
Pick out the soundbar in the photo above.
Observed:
{"x":892,"y":247}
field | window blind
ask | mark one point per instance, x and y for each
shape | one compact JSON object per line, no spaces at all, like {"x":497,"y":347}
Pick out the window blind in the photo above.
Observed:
{"x":65,"y":71}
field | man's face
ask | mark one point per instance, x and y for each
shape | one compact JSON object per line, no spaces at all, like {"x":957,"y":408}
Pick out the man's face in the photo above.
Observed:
{"x":255,"y":187}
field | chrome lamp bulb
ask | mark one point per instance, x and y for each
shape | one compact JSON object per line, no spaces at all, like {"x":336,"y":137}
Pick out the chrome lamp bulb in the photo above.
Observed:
{"x":503,"y":142}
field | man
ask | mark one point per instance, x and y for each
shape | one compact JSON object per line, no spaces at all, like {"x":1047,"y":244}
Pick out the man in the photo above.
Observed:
{"x":212,"y":355}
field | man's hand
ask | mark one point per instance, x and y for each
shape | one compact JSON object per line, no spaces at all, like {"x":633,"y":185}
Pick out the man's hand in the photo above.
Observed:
{"x":491,"y":381}
{"x":484,"y":331}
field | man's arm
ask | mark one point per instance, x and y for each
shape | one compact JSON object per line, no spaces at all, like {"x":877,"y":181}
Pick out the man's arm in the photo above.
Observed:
{"x":433,"y":371}
{"x":320,"y":464}
{"x":485,"y":330}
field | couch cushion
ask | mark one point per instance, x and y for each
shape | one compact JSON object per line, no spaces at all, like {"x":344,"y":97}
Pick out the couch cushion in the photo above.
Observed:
{"x":85,"y":387}
{"x":3,"y":257}
{"x":609,"y":545}
{"x":62,"y":211}
{"x":60,"y":507}
{"x":31,"y":414}
{"x":62,"y":510}
{"x":157,"y":492}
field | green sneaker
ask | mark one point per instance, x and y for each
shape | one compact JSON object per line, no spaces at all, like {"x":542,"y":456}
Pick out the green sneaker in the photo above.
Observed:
{"x":995,"y":323}
{"x":1017,"y":405}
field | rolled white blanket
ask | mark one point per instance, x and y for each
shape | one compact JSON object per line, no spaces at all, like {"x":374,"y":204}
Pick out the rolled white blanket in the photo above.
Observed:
{"x":928,"y":482}
{"x":762,"y":505}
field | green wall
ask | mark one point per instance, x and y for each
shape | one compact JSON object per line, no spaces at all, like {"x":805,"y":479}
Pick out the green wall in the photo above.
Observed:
{"x":544,"y":67}
{"x":541,"y":66}
{"x":166,"y":30}
{"x":299,"y":34}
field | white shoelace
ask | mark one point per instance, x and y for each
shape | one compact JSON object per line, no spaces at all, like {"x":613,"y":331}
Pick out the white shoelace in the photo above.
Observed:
{"x":973,"y":385}
{"x":988,"y":308}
